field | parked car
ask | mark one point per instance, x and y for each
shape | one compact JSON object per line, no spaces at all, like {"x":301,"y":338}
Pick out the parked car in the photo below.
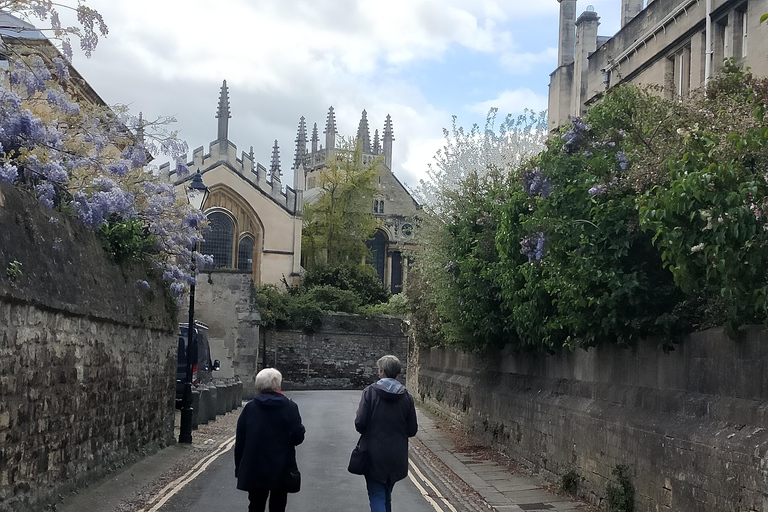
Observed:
{"x":202,"y":366}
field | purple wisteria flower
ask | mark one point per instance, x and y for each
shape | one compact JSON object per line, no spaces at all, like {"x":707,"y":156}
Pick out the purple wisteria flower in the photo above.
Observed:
{"x":9,"y":173}
{"x":533,"y":246}
{"x":575,"y":135}
{"x":535,"y":184}
{"x":143,"y":286}
{"x":621,"y":157}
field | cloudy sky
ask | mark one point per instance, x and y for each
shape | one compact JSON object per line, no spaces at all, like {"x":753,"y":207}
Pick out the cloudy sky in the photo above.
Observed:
{"x":421,"y":61}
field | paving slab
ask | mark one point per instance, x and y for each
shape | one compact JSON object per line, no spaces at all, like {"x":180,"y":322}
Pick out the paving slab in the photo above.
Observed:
{"x":501,"y":489}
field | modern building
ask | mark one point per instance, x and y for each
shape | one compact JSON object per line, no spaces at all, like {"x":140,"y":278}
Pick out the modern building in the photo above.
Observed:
{"x":675,"y":44}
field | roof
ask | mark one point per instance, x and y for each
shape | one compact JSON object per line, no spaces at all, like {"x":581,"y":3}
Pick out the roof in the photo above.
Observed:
{"x":14,"y":27}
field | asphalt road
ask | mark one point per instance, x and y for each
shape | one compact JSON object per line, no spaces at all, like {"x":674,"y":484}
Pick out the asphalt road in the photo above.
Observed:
{"x":326,"y":485}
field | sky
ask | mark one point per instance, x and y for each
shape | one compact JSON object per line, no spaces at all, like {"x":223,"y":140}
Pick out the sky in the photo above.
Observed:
{"x":420,"y":61}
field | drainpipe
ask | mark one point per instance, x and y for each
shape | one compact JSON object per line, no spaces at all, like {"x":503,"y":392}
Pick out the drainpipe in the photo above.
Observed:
{"x":709,"y":52}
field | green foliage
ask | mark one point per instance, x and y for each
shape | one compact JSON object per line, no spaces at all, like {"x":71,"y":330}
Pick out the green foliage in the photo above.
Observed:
{"x":13,"y":271}
{"x":570,"y":482}
{"x":362,"y":280}
{"x":646,"y":218}
{"x":324,"y":290}
{"x":338,"y":223}
{"x":396,"y":306}
{"x":126,"y":239}
{"x":621,"y":497}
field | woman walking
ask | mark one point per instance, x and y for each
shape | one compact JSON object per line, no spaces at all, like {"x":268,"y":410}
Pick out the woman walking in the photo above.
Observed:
{"x":268,"y":430}
{"x":386,"y":418}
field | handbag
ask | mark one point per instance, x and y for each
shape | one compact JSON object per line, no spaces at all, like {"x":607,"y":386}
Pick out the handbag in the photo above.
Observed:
{"x":358,"y":461}
{"x":292,"y":481}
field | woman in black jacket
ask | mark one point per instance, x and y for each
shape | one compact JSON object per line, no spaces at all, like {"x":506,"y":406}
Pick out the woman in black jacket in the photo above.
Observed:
{"x":386,"y":418}
{"x":268,"y":430}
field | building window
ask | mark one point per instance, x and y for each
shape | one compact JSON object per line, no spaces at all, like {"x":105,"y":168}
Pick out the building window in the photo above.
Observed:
{"x":381,"y":206}
{"x":679,"y":78}
{"x":245,"y":254}
{"x":721,"y":49}
{"x":218,"y":239}
{"x":378,"y":248}
{"x":310,"y":183}
{"x":740,"y":32}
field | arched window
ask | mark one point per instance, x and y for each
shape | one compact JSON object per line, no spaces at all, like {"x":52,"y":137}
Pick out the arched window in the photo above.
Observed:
{"x":218,"y":239}
{"x":245,"y":254}
{"x":378,"y":247}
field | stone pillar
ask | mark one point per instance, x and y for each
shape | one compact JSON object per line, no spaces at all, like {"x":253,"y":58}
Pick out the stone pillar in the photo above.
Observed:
{"x":586,"y":43}
{"x":565,"y":49}
{"x":630,"y":9}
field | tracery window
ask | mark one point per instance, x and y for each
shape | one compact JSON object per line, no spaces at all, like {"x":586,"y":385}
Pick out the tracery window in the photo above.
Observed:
{"x":218,"y":239}
{"x":245,"y":254}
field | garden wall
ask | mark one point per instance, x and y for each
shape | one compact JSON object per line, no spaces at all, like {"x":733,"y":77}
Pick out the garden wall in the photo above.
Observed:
{"x":691,"y":425}
{"x":342,"y":355}
{"x":87,"y":360}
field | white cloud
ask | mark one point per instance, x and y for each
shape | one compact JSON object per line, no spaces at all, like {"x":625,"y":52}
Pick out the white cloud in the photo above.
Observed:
{"x":511,"y":102}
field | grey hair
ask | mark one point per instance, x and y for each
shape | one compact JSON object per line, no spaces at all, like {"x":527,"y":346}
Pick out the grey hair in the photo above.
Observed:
{"x":268,"y":379}
{"x":391,"y":366}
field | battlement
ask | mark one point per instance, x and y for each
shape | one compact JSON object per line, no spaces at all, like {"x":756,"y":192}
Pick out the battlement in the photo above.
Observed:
{"x":245,"y":166}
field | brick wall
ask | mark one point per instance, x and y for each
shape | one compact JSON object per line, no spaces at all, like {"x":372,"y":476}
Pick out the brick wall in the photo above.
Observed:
{"x":691,"y":425}
{"x":342,"y":355}
{"x":87,"y":361}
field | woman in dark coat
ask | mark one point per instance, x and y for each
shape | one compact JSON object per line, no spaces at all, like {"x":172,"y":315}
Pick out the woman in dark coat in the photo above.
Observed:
{"x":386,"y":418}
{"x":268,"y":430}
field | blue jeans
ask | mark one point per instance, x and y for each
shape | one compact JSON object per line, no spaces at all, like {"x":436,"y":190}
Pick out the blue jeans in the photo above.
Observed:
{"x":379,"y":495}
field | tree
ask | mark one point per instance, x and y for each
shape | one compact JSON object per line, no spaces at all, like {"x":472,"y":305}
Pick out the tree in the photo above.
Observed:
{"x":338,"y":223}
{"x":82,"y":158}
{"x":453,"y":291}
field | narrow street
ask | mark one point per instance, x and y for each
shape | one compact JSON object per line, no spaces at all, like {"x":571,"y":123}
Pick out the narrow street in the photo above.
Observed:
{"x":326,"y":486}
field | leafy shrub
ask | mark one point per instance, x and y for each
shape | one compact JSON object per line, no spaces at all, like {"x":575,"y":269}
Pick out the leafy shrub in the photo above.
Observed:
{"x":397,"y":306}
{"x":621,"y":497}
{"x":645,"y":218}
{"x":359,"y":279}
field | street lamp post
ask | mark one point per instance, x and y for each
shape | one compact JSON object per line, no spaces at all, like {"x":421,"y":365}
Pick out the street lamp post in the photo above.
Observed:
{"x":197,"y":193}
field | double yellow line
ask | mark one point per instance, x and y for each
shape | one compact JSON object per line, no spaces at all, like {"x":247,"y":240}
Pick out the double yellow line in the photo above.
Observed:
{"x":415,"y":475}
{"x":172,"y":488}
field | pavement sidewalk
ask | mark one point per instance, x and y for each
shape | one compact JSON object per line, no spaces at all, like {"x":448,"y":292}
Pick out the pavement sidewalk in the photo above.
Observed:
{"x":502,"y":489}
{"x":129,"y":488}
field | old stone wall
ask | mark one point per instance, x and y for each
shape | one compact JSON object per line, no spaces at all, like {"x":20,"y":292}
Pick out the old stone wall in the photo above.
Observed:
{"x":691,"y":425}
{"x":342,"y":355}
{"x":226,"y":302}
{"x":87,"y":360}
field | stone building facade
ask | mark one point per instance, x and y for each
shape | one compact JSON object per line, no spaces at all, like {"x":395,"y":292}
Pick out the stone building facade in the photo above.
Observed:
{"x":393,"y":205}
{"x":255,"y":222}
{"x":676,"y":44}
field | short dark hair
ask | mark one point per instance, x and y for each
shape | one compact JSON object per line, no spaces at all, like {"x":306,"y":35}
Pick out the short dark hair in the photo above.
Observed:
{"x":390,"y":365}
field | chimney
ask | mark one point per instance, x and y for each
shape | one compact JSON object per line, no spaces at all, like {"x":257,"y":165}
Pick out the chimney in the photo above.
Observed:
{"x":586,"y":44}
{"x":630,"y":9}
{"x":565,"y":49}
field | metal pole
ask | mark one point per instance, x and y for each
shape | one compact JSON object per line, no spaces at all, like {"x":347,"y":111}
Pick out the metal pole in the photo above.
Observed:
{"x":185,"y":426}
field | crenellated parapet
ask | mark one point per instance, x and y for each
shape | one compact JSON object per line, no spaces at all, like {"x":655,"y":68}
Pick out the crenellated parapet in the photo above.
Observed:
{"x":254,"y":173}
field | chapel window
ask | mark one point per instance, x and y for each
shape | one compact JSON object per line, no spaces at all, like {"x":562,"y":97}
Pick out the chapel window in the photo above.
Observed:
{"x":245,"y":254}
{"x":218,"y":239}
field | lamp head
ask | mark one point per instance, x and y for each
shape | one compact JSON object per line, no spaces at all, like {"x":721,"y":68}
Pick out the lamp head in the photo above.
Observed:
{"x":197,"y":192}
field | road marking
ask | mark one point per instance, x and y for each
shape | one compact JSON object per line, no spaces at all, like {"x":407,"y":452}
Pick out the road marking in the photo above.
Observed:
{"x":424,"y":492}
{"x":174,"y":487}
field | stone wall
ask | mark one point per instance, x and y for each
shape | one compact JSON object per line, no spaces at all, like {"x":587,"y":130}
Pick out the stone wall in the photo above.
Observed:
{"x":87,"y":360}
{"x":342,"y":355}
{"x":226,"y":302}
{"x":691,"y":425}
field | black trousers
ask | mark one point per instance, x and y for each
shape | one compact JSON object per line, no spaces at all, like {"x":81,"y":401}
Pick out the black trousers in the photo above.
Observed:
{"x":258,"y":500}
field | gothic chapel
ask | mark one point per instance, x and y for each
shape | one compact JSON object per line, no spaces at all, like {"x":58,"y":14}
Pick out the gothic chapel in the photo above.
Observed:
{"x":255,"y":222}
